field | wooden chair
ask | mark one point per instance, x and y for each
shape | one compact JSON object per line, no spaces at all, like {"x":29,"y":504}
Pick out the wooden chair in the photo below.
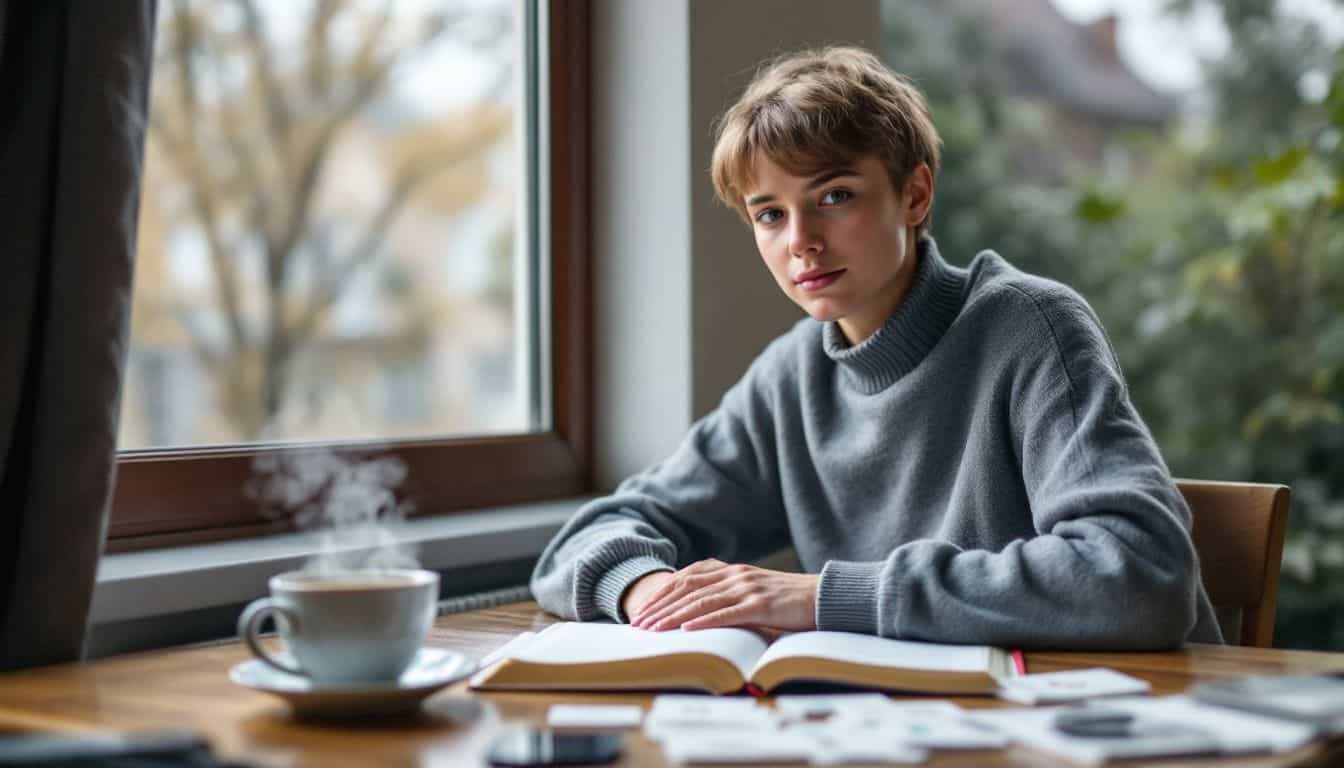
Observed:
{"x":1238,"y":534}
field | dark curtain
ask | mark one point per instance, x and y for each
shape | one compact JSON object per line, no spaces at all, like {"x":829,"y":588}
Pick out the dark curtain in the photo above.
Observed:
{"x":74,"y":88}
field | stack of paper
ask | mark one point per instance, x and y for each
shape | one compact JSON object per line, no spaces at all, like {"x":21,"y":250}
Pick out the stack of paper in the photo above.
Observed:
{"x":836,"y":729}
{"x":594,"y":716}
{"x":673,"y":715}
{"x":1166,"y":726}
{"x":700,"y":729}
{"x":822,"y":730}
{"x":920,"y":724}
{"x":1316,"y":700}
{"x":1072,"y":685}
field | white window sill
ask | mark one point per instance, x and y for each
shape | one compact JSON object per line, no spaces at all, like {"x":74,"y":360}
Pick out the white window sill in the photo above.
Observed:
{"x":136,"y":585}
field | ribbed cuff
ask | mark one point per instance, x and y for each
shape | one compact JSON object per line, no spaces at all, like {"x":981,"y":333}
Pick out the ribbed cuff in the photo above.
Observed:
{"x":611,"y":587}
{"x":847,"y":597}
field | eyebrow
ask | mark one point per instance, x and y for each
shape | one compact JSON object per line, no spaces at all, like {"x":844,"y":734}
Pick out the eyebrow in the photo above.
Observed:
{"x":819,"y":180}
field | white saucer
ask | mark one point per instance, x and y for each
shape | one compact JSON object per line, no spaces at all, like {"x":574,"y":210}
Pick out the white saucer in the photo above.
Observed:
{"x":432,"y":670}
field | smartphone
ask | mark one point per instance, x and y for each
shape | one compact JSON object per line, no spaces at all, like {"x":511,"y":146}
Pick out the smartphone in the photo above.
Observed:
{"x":528,"y":746}
{"x":61,"y":750}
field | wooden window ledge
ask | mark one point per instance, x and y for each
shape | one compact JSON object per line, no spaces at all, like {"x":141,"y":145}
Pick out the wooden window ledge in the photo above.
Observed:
{"x":138,"y":585}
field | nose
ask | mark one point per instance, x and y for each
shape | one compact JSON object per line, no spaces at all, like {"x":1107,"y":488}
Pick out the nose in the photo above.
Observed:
{"x":805,"y":236}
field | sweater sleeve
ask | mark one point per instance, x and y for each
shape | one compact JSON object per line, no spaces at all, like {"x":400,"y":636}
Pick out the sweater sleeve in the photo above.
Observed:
{"x":1111,"y":566}
{"x":716,"y":496}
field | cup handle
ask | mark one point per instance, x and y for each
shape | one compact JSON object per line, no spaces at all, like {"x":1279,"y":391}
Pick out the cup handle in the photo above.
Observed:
{"x":249,"y":626}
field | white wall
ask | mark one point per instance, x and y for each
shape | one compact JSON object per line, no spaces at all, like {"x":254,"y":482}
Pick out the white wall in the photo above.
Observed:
{"x":683,"y":303}
{"x":641,"y":233}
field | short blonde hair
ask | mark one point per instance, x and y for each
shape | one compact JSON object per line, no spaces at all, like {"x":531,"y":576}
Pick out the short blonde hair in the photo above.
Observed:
{"x":818,"y":109}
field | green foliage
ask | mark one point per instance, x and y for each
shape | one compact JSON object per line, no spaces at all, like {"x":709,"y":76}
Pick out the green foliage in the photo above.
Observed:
{"x":1218,"y":268}
{"x":1099,"y":208}
{"x":1234,"y":355}
{"x":1276,"y":170}
{"x":1235,"y":350}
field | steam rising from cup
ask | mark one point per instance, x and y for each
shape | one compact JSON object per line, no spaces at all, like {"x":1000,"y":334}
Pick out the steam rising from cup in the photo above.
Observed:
{"x":349,"y":499}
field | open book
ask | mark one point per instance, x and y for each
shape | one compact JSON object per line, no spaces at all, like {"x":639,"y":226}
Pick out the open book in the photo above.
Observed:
{"x":584,"y":656}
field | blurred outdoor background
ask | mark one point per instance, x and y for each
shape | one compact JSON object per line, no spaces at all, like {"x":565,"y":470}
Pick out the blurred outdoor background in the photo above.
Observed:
{"x":330,"y":243}
{"x":333,"y":239}
{"x":1179,"y":162}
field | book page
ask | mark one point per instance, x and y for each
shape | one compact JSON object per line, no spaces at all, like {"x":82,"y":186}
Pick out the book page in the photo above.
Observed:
{"x":581,"y":642}
{"x":880,"y":652}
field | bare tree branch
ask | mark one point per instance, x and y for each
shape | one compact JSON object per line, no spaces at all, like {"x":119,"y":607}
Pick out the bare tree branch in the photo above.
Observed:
{"x":278,"y":245}
{"x":367,"y":85}
{"x":223,"y":368}
{"x":303,"y":112}
{"x":280,"y":339}
{"x":249,"y":180}
{"x":164,"y":134}
{"x":372,"y":43}
{"x":317,"y":47}
{"x":185,"y":155}
{"x":278,"y":118}
{"x":211,"y":358}
{"x":186,"y":43}
{"x":367,"y":246}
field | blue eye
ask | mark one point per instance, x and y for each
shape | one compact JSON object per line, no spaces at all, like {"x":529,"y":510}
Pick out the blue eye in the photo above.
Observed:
{"x":768,"y":216}
{"x":836,"y":196}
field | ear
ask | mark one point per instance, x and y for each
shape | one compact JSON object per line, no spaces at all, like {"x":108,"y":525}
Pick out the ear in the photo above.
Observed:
{"x":918,"y":195}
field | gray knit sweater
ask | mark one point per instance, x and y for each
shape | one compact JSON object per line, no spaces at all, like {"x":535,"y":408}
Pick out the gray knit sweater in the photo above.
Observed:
{"x":974,"y":472}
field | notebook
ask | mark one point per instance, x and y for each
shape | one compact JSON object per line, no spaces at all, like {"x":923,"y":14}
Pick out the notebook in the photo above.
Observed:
{"x":591,"y":656}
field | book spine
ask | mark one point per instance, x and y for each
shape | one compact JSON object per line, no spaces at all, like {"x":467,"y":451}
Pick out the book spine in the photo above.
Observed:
{"x":1020,"y":662}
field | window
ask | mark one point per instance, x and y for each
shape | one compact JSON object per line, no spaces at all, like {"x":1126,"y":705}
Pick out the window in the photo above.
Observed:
{"x":1179,"y":164}
{"x":362,"y":224}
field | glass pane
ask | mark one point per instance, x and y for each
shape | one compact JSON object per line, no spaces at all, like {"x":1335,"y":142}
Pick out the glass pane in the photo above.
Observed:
{"x":333,"y":238}
{"x":1178,"y":162}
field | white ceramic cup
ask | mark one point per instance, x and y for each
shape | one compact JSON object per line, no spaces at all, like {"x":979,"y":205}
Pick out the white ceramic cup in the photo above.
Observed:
{"x":349,"y":626}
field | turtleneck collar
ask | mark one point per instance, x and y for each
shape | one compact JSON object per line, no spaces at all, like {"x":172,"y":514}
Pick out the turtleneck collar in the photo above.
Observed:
{"x":907,"y":336}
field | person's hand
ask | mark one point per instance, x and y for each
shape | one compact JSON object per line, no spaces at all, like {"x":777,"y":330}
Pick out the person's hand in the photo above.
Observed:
{"x":712,"y":593}
{"x":638,"y":593}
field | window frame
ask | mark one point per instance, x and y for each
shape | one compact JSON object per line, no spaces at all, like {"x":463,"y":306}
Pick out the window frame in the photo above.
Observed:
{"x":166,"y":498}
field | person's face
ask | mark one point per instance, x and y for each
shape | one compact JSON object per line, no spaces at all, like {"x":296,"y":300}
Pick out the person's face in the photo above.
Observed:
{"x":839,"y":243}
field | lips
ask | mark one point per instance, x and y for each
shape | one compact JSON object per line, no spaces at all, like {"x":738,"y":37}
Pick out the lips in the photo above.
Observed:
{"x":816,"y":279}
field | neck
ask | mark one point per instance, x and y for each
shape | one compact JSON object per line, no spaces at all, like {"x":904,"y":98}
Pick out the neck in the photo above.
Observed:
{"x":857,"y":327}
{"x":930,"y":305}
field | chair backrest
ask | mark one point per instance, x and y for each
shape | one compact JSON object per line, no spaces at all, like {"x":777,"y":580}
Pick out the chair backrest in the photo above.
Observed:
{"x":1238,"y":533}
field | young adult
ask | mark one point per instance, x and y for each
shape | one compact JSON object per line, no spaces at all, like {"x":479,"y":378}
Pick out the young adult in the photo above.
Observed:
{"x":952,"y":452}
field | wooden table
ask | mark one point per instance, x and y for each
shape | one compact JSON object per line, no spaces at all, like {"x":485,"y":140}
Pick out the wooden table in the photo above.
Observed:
{"x":189,"y":688}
